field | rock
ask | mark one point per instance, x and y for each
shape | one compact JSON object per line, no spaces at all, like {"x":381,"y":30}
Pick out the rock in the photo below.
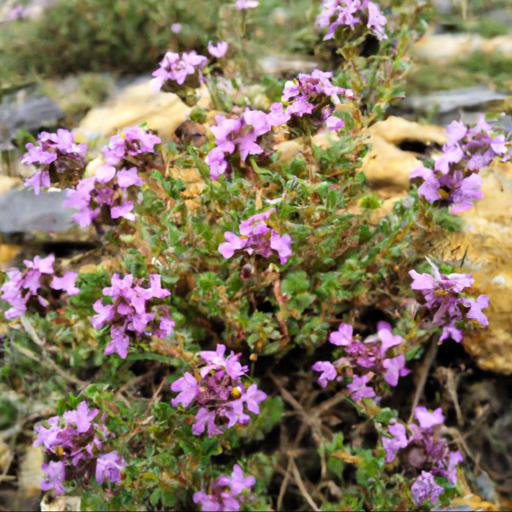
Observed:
{"x":449,"y":47}
{"x":446,"y":47}
{"x":7,"y":254}
{"x":135,"y":104}
{"x":7,"y":183}
{"x":21,"y":211}
{"x":27,"y":111}
{"x":472,"y":98}
{"x":61,"y":504}
{"x":30,"y":472}
{"x":485,"y":246}
{"x":397,"y":130}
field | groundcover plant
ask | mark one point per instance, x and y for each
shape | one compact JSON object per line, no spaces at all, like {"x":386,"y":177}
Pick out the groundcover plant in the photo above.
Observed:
{"x":252,"y":344}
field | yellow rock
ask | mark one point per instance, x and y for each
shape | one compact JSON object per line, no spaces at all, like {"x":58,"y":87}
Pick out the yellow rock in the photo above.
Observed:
{"x":447,"y":47}
{"x":136,"y":104}
{"x":450,"y":47}
{"x":7,"y":254}
{"x":397,"y":129}
{"x":487,"y":245}
{"x":7,"y":183}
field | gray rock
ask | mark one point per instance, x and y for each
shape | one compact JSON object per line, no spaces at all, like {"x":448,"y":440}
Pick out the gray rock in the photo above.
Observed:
{"x":21,"y":211}
{"x":468,"y":98}
{"x":25,"y":111}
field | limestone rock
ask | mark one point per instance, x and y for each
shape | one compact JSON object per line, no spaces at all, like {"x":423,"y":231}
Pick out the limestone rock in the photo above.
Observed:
{"x":487,"y":244}
{"x":449,"y":47}
{"x":136,"y":104}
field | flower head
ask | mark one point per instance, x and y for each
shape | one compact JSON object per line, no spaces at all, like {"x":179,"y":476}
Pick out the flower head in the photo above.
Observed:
{"x":58,"y":159}
{"x":454,"y":180}
{"x":133,"y":311}
{"x":423,"y":453}
{"x":257,"y":237}
{"x":227,"y":493}
{"x":445,"y":296}
{"x":75,"y":443}
{"x":179,"y":70}
{"x":34,"y":287}
{"x":218,"y":389}
{"x":351,"y":15}
{"x":363,"y":361}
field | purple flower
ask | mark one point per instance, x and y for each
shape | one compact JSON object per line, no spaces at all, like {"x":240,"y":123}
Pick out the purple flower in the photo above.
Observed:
{"x":475,"y":309}
{"x":334,"y":123}
{"x":179,"y":70}
{"x":66,"y":283}
{"x":393,"y":444}
{"x":328,"y":372}
{"x":218,"y":50}
{"x":246,"y":4}
{"x":82,"y":417}
{"x":219,"y":391}
{"x":343,"y":336}
{"x":252,"y":398}
{"x":359,"y":389}
{"x":395,"y":368}
{"x":55,"y":477}
{"x":188,"y":389}
{"x":56,"y":152}
{"x":256,"y":237}
{"x":426,"y":488}
{"x":109,"y":467}
{"x":428,"y":420}
{"x":176,"y":28}
{"x":443,"y":295}
{"x":134,"y":312}
{"x":227,"y":493}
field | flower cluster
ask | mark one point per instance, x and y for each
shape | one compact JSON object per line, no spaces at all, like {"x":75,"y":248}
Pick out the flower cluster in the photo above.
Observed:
{"x":316,"y":96}
{"x":363,"y":360}
{"x":454,"y":181}
{"x":240,"y":135}
{"x":179,"y":70}
{"x":76,"y":439}
{"x":57,"y":158}
{"x":256,"y":237}
{"x":352,"y":14}
{"x":35,"y":286}
{"x":132,"y":311}
{"x":227,"y":492}
{"x":423,"y":453}
{"x":133,"y":146}
{"x":110,"y":194}
{"x":443,"y":295}
{"x":218,"y":390}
